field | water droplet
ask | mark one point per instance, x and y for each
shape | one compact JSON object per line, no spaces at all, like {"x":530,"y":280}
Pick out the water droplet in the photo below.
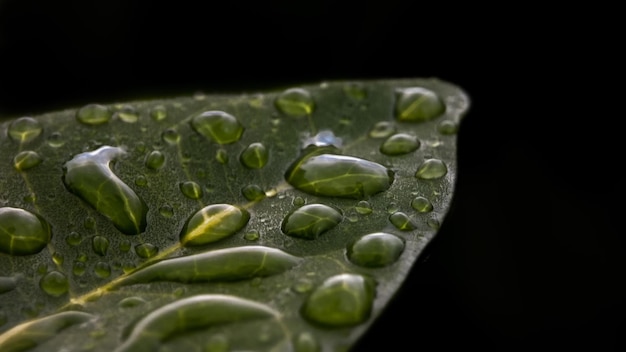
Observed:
{"x":73,"y":239}
{"x":125,"y":245}
{"x":398,"y":144}
{"x":127,"y":114}
{"x":166,"y":211}
{"x":431,"y":169}
{"x":254,"y":156}
{"x":7,"y":284}
{"x":253,"y":193}
{"x":375,"y":250}
{"x":252,"y":235}
{"x":191,"y":190}
{"x":213,"y":223}
{"x":170,"y":136}
{"x":421,"y":204}
{"x":221,"y":155}
{"x":363,"y":207}
{"x":402,"y":221}
{"x":303,"y":285}
{"x":433,"y":223}
{"x":155,"y":160}
{"x":324,"y":138}
{"x":158,"y":112}
{"x":57,"y":258}
{"x":100,"y":245}
{"x":218,"y":126}
{"x":382,"y":129}
{"x":89,"y":223}
{"x":102,"y":270}
{"x":146,"y":250}
{"x":24,"y":129}
{"x":131,"y":302}
{"x":79,"y":268}
{"x":310,"y":221}
{"x":55,"y":140}
{"x":298,"y":201}
{"x":26,"y":160}
{"x":341,"y":300}
{"x":82,"y":257}
{"x":337,"y":175}
{"x":447,"y":127}
{"x":54,"y":283}
{"x":141,"y":181}
{"x":295,"y":102}
{"x":22,"y":232}
{"x":355,"y":90}
{"x":93,"y":114}
{"x":418,"y":104}
{"x":89,"y":176}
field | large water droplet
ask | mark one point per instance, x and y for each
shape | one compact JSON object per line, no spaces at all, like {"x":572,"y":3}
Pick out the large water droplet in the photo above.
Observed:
{"x":310,"y":221}
{"x":54,"y":283}
{"x":24,"y":129}
{"x":100,"y":245}
{"x":295,"y":102}
{"x":418,"y":104}
{"x":253,"y":193}
{"x":213,"y":223}
{"x":218,"y":126}
{"x":89,"y":176}
{"x":26,"y":160}
{"x":146,"y":250}
{"x":94,"y":114}
{"x":375,"y":250}
{"x":341,"y":300}
{"x":155,"y":160}
{"x":398,"y":144}
{"x":254,"y":156}
{"x":22,"y":232}
{"x":422,"y":204}
{"x":191,"y":190}
{"x":431,"y":169}
{"x":337,"y":175}
{"x":402,"y":221}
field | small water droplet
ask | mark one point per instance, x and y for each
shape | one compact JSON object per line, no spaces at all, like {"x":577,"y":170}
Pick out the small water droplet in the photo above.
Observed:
{"x":295,"y":102}
{"x":26,"y":160}
{"x":252,"y":235}
{"x":141,"y":181}
{"x":57,"y":258}
{"x":355,"y":90}
{"x":221,"y":155}
{"x":375,"y":250}
{"x":218,"y":126}
{"x":102,"y":270}
{"x":341,"y":300}
{"x":170,"y":136}
{"x":363,"y":207}
{"x":310,"y":221}
{"x":131,"y":302}
{"x":79,"y":268}
{"x":22,"y":232}
{"x":191,"y":190}
{"x":303,"y":285}
{"x":417,"y":104}
{"x":447,"y":127}
{"x":399,"y":144}
{"x":146,"y":250}
{"x":431,"y":169}
{"x":55,"y":140}
{"x":382,"y":129}
{"x":93,"y":114}
{"x":155,"y":160}
{"x":213,"y":223}
{"x":298,"y":201}
{"x":73,"y":238}
{"x":158,"y":112}
{"x":24,"y":129}
{"x":125,"y":245}
{"x":402,"y":221}
{"x":325,"y":138}
{"x":422,"y":204}
{"x":54,"y":283}
{"x":89,"y":223}
{"x":433,"y":223}
{"x":166,"y":210}
{"x":127,"y":114}
{"x":253,"y":193}
{"x":100,"y":245}
{"x":255,"y":156}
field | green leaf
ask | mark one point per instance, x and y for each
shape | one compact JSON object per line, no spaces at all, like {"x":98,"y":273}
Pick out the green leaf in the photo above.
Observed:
{"x":282,"y":220}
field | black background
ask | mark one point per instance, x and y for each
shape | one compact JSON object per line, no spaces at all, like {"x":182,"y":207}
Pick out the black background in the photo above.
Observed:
{"x":530,"y":257}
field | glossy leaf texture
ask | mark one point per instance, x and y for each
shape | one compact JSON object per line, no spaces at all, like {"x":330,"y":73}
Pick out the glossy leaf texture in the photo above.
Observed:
{"x":282,"y":220}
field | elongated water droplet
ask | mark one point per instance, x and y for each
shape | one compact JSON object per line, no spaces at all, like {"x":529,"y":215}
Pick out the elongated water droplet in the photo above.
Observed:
{"x":127,"y":114}
{"x":54,"y":283}
{"x":398,"y":144}
{"x":146,"y":250}
{"x":295,"y":102}
{"x":375,"y":250}
{"x":338,"y":176}
{"x":102,"y":270}
{"x":7,"y":284}
{"x":94,"y":114}
{"x":155,"y":160}
{"x":24,"y":129}
{"x":22,"y":232}
{"x":218,"y":126}
{"x":253,"y":192}
{"x":191,"y":190}
{"x":310,"y":221}
{"x":89,"y":176}
{"x":421,"y":204}
{"x":402,"y":221}
{"x":231,"y":264}
{"x":418,"y":104}
{"x":131,"y":302}
{"x":341,"y":300}
{"x":100,"y":245}
{"x":382,"y":129}
{"x":254,"y":156}
{"x":189,"y":314}
{"x":158,"y":112}
{"x":26,"y":160}
{"x":431,"y":169}
{"x":212,"y":223}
